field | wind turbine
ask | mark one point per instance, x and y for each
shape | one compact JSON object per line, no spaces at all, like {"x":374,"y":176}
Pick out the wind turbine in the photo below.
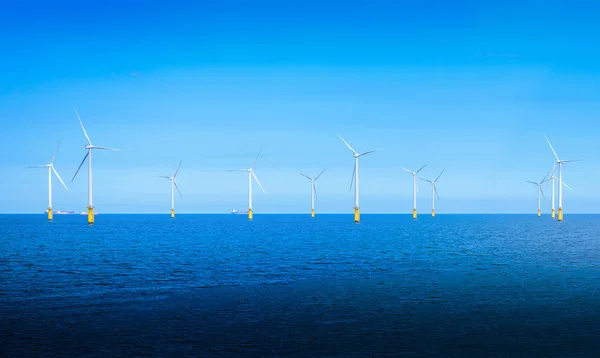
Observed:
{"x":415,"y":188}
{"x":554,"y":178}
{"x":89,"y":147}
{"x":434,"y":192}
{"x":540,"y":191}
{"x":173,"y":186}
{"x":250,"y":176}
{"x":355,"y":178}
{"x":560,"y":182}
{"x":313,"y":191}
{"x":51,"y":169}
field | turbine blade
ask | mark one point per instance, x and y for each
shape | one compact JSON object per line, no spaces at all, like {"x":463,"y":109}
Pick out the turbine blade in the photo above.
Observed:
{"x":59,"y":178}
{"x":177,"y":186}
{"x":83,"y":161}
{"x":237,"y":170}
{"x":162,"y":176}
{"x":572,"y":160}
{"x":314,"y":186}
{"x":565,"y":184}
{"x":82,"y":127}
{"x":319,"y":174}
{"x":406,"y":170}
{"x":106,"y":148}
{"x":255,"y":159}
{"x":347,"y":145}
{"x":56,"y":151}
{"x":177,"y":171}
{"x":352,"y":180}
{"x":39,"y":166}
{"x":255,"y":178}
{"x":436,"y":179}
{"x":306,"y":176}
{"x":436,"y":192}
{"x":365,"y":153}
{"x":429,"y":181}
{"x":544,"y":179}
{"x":417,"y":172}
{"x":532,"y":182}
{"x":542,"y":191}
{"x":555,"y":155}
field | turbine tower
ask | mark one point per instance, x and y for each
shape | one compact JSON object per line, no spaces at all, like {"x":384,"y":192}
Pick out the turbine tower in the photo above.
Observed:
{"x":355,"y":178}
{"x":51,"y":169}
{"x":250,"y":176}
{"x":173,"y":186}
{"x":555,"y":178}
{"x":540,"y":191}
{"x":434,"y":192}
{"x":560,"y":182}
{"x":415,"y":188}
{"x":89,"y":147}
{"x":313,"y":191}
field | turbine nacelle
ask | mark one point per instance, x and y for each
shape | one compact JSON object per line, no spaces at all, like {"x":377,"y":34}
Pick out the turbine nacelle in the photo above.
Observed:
{"x":251,"y":171}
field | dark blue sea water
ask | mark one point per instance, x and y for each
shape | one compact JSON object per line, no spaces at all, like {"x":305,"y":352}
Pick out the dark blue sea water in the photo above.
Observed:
{"x":289,"y":285}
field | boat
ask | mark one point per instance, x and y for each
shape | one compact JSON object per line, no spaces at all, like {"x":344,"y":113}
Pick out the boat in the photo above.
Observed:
{"x":58,"y":212}
{"x":233,"y":211}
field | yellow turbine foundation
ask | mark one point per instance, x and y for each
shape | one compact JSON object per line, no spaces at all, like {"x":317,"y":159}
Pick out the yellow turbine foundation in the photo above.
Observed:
{"x":553,"y":214}
{"x":539,"y":213}
{"x":312,"y":213}
{"x":414,"y":213}
{"x":432,"y":213}
{"x":172,"y":213}
{"x":560,"y":214}
{"x":90,"y":215}
{"x":250,"y":214}
{"x":49,"y":214}
{"x":356,"y":214}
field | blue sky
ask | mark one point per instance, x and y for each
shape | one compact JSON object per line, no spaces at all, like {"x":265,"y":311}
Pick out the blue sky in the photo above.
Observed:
{"x":470,"y":86}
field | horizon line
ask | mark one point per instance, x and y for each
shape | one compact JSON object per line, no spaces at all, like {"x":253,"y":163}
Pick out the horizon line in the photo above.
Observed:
{"x":300,"y":213}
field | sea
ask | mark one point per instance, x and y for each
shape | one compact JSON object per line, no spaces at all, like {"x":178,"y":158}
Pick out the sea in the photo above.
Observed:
{"x":296,"y":286}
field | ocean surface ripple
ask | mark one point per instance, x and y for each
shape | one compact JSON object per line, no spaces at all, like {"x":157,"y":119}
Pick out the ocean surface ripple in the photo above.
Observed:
{"x":289,"y":285}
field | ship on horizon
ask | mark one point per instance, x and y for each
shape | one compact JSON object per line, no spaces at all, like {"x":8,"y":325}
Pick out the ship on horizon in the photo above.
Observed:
{"x":58,"y":212}
{"x":233,"y":211}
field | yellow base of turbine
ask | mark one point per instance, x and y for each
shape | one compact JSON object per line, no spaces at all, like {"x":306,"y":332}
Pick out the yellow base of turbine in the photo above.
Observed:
{"x":312,"y":213}
{"x":356,"y":214}
{"x":90,"y":215}
{"x":250,"y":214}
{"x":432,"y":213}
{"x":414,"y":213}
{"x":539,"y":213}
{"x":49,"y":214}
{"x":553,"y":214}
{"x":172,"y":213}
{"x":560,"y":214}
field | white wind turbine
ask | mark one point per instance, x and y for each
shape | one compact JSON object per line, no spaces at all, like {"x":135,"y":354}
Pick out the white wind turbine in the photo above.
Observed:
{"x":173,"y":186}
{"x":560,"y":182}
{"x":415,"y":188}
{"x":89,"y":147}
{"x":313,"y":191}
{"x":540,"y":191}
{"x":555,"y":178}
{"x":355,"y":178}
{"x":250,"y":176}
{"x":51,"y":169}
{"x":434,"y":192}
